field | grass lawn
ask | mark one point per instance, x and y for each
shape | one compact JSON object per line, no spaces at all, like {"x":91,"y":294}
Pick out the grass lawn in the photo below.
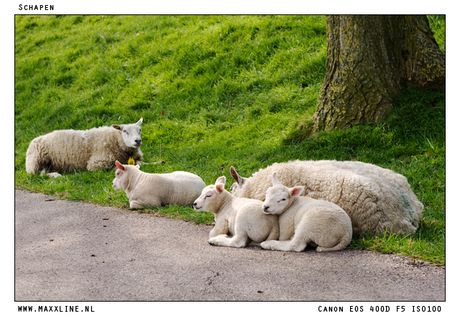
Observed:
{"x":215,"y":91}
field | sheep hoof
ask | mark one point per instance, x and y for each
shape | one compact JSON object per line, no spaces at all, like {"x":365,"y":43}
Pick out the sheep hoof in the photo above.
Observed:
{"x":53,"y":175}
{"x":268,"y":245}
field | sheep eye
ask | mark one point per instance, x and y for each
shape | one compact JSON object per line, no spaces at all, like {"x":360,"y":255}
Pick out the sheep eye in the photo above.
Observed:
{"x":126,"y":132}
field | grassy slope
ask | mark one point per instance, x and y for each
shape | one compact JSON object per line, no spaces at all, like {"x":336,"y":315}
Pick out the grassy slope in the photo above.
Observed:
{"x":214,"y":91}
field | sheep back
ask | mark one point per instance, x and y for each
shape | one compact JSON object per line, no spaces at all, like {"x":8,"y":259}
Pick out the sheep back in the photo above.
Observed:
{"x":181,"y":188}
{"x":154,"y":189}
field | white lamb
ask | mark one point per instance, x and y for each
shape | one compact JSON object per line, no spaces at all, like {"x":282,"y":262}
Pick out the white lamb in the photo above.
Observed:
{"x":156,"y":189}
{"x":240,"y":218}
{"x":303,"y":220}
{"x":376,"y":199}
{"x":93,"y":149}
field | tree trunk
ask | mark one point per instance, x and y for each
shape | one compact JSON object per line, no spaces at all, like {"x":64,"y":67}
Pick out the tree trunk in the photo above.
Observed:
{"x":369,"y":60}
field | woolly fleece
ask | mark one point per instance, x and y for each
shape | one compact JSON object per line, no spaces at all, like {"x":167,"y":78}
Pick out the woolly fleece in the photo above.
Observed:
{"x":376,"y":199}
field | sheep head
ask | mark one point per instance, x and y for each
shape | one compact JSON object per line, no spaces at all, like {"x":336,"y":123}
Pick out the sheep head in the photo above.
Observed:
{"x":239,"y":181}
{"x":211,"y":197}
{"x":122,"y":175}
{"x":131,"y":133}
{"x":278,"y":197}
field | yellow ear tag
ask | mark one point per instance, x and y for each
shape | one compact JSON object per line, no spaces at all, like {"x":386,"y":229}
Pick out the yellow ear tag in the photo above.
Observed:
{"x":131,"y":161}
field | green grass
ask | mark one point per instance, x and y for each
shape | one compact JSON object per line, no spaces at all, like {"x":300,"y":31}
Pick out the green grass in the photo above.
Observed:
{"x":214,"y":91}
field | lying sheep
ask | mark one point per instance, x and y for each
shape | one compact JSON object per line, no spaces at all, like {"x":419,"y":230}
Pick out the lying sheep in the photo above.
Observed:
{"x":241,"y":218}
{"x":155,"y":189}
{"x":97,"y":148}
{"x":303,"y":220}
{"x":376,"y":199}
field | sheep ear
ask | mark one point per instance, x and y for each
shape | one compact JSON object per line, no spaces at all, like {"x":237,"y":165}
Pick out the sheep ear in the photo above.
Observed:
{"x":117,"y":127}
{"x":275,"y":179}
{"x":221,"y":180}
{"x":240,"y":180}
{"x":219,"y":188}
{"x":119,"y":165}
{"x":140,"y":121}
{"x":296,"y":191}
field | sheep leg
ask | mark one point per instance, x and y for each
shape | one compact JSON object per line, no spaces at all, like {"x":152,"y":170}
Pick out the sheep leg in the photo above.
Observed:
{"x":286,"y":245}
{"x":274,"y":233}
{"x":343,"y":242}
{"x":221,"y":228}
{"x":224,"y":240}
{"x":136,"y":205}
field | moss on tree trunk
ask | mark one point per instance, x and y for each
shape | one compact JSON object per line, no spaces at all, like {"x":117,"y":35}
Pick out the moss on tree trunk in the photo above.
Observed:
{"x":369,"y":60}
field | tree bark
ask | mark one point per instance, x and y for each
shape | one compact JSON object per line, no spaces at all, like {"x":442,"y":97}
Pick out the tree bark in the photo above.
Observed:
{"x":370,"y":59}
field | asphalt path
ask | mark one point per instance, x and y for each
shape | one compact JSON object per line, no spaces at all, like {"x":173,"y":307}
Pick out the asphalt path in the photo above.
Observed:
{"x":74,"y":251}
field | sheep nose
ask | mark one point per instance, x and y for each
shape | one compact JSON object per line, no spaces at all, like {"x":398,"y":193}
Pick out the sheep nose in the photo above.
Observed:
{"x":138,"y":141}
{"x":194,"y":204}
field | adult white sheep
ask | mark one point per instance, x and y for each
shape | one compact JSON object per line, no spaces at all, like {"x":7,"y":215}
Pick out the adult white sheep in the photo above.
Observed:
{"x":93,"y":149}
{"x":376,"y":199}
{"x":240,"y":218}
{"x":303,"y":220}
{"x":156,"y":189}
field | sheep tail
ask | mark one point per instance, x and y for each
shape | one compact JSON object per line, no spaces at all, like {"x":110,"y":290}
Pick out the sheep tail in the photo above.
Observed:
{"x":343,"y":242}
